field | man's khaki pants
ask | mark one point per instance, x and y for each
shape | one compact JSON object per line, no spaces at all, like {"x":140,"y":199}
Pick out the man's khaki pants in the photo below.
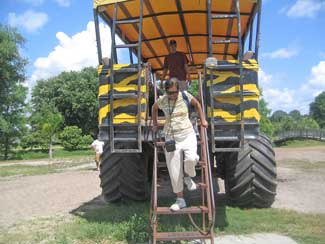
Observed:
{"x":97,"y":159}
{"x":186,"y":145}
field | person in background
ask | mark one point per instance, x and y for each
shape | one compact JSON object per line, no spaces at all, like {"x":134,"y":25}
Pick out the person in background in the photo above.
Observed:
{"x":178,"y":128}
{"x":176,"y":63}
{"x":97,"y":146}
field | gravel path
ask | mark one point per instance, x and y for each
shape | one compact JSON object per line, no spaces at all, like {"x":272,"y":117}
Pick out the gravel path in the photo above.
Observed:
{"x":300,"y":187}
{"x":45,"y":195}
{"x":22,"y":198}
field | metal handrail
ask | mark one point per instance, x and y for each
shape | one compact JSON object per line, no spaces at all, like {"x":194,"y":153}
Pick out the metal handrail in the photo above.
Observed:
{"x":204,"y":131}
{"x":303,"y":133}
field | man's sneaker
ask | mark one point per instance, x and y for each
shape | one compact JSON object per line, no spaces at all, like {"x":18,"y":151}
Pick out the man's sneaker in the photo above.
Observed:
{"x":179,"y":204}
{"x":191,"y":186}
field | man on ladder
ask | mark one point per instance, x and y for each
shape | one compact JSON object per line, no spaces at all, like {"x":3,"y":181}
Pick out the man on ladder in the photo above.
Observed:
{"x":176,"y":63}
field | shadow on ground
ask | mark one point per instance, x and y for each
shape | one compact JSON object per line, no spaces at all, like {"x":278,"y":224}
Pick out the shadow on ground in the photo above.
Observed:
{"x":135,"y":215}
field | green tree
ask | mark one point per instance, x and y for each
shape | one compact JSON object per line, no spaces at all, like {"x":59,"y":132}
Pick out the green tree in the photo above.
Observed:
{"x":278,"y":116}
{"x":265,"y":123}
{"x":74,"y":94}
{"x":317,"y":109}
{"x":307,"y":122}
{"x":47,"y":124}
{"x":12,"y":91}
{"x":32,"y":140}
{"x":71,"y":138}
{"x":295,"y":114}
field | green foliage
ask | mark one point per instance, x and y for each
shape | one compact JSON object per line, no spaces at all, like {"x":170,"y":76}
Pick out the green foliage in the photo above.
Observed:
{"x":295,"y":114}
{"x":32,"y":140}
{"x":71,"y":138}
{"x":21,"y":154}
{"x":74,"y":95}
{"x":307,"y":122}
{"x":278,"y":116}
{"x":130,"y":223}
{"x":266,"y":125}
{"x":194,"y":88}
{"x":293,"y":121}
{"x":317,"y":109}
{"x":12,"y":91}
{"x":46,"y":124}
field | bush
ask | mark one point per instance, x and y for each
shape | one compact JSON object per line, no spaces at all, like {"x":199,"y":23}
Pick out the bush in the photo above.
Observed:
{"x":72,"y":139}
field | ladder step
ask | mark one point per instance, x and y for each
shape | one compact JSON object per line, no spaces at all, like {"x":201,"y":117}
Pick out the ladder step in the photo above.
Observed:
{"x":217,"y":122}
{"x":161,"y":164}
{"x":189,"y":210}
{"x":233,"y":94}
{"x":127,"y":45}
{"x":129,"y":139}
{"x":235,"y":149}
{"x":178,"y":236}
{"x":225,"y":41}
{"x":225,"y":67}
{"x":125,"y":125}
{"x":226,"y":138}
{"x":202,"y":164}
{"x":127,"y":21}
{"x":202,"y":185}
{"x":224,"y":16}
{"x":126,"y":70}
{"x":126,"y":150}
{"x":125,"y":95}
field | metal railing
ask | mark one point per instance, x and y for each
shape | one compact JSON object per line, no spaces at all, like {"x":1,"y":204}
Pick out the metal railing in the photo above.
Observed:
{"x":314,"y":134}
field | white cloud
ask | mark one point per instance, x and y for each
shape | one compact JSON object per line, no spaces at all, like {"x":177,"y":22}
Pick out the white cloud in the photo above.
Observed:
{"x":306,"y":8}
{"x":263,"y":78}
{"x":72,"y":53}
{"x":289,"y":99}
{"x":64,"y":3}
{"x":30,"y":20}
{"x":280,"y":99}
{"x":277,"y":99}
{"x":282,"y":53}
{"x":316,"y":83}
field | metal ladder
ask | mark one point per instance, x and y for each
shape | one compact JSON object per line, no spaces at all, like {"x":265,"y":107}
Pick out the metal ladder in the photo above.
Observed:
{"x":207,"y":207}
{"x":125,"y":129}
{"x":236,"y":66}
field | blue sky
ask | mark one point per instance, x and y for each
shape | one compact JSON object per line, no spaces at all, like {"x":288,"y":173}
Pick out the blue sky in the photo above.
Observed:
{"x":60,"y":37}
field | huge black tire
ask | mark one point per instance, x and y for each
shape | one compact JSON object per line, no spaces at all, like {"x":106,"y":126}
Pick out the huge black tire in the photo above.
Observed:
{"x":251,"y":175}
{"x":124,"y":176}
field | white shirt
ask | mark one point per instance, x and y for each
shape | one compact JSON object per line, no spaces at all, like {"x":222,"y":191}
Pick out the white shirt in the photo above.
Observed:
{"x":98,"y":145}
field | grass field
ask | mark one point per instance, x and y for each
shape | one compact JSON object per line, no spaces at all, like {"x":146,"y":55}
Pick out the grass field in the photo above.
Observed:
{"x":58,"y":152}
{"x":62,"y":159}
{"x":301,"y":143}
{"x":24,"y":170}
{"x":129,"y":223}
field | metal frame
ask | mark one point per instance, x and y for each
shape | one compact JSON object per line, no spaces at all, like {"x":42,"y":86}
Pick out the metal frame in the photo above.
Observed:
{"x":186,"y":35}
{"x":114,"y":60}
{"x":241,"y":43}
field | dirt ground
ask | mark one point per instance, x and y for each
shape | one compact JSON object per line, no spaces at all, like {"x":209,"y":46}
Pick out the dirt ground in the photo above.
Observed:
{"x":301,"y":177}
{"x":46,"y":195}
